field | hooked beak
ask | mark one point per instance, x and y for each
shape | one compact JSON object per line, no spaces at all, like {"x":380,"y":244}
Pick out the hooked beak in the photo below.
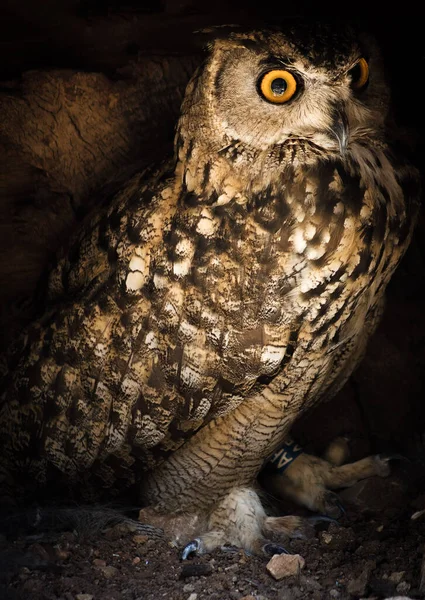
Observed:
{"x":340,"y":129}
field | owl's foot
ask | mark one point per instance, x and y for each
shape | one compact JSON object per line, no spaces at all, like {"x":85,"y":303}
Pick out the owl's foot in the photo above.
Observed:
{"x":239,"y":520}
{"x":308,"y":479}
{"x":197,"y":546}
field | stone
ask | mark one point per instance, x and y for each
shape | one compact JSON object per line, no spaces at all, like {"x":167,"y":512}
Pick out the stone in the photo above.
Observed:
{"x":193,"y":597}
{"x":285,"y":565}
{"x":61,"y":554}
{"x":326,"y":537}
{"x":84,"y":597}
{"x":337,"y":538}
{"x":99,"y":562}
{"x":357,"y":587}
{"x":403,"y":587}
{"x":109,"y":572}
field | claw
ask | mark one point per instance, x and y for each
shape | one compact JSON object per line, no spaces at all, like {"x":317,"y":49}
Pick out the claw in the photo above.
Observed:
{"x":332,"y":501}
{"x":191,"y":548}
{"x":387,"y":457}
{"x":272,"y":549}
{"x":323,"y":519}
{"x":417,"y":514}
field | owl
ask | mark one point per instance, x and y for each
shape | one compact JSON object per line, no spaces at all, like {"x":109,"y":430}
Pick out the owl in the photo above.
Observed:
{"x":218,"y":296}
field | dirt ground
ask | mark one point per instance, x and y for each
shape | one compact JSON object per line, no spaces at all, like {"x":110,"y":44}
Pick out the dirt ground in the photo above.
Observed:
{"x":374,"y":552}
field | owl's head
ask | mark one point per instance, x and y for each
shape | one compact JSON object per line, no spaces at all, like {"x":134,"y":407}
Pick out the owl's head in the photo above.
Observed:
{"x":275,"y":98}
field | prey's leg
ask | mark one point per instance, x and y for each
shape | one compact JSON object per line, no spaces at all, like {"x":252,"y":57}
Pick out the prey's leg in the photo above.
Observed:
{"x":308,"y":479}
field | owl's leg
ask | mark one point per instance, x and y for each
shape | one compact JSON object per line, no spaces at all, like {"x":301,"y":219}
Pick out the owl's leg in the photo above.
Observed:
{"x":239,"y":520}
{"x":308,"y":479}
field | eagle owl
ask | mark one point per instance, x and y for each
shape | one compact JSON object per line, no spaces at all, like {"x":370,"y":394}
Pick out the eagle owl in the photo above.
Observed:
{"x":192,"y":320}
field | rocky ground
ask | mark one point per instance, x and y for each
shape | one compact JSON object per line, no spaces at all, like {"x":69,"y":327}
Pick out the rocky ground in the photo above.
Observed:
{"x":375,"y":552}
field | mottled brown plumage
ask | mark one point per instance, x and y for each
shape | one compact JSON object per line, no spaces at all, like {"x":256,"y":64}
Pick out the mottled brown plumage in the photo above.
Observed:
{"x":218,"y":297}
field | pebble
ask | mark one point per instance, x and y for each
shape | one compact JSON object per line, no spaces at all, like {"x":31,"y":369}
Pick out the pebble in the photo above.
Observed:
{"x":403,"y":587}
{"x":99,"y":562}
{"x":192,"y":597}
{"x":136,"y":560}
{"x":109,"y":572}
{"x":188,"y":588}
{"x":285,"y":565}
{"x":337,"y":538}
{"x":326,"y":537}
{"x":357,"y":587}
{"x":61,"y":554}
{"x":84,"y":597}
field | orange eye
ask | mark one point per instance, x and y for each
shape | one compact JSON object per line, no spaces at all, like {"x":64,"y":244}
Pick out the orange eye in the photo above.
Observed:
{"x":278,"y":86}
{"x":359,"y":74}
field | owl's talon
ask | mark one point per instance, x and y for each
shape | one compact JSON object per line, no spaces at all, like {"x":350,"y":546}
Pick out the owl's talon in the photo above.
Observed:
{"x":272,"y":549}
{"x":324,"y":519}
{"x":341,"y":507}
{"x":191,"y":548}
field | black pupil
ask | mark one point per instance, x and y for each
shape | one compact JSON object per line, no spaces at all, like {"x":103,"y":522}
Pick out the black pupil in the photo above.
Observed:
{"x":278,"y":86}
{"x":356,"y":73}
